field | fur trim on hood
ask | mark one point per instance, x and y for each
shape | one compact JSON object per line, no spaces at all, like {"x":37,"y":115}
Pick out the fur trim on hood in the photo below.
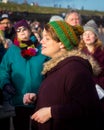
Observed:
{"x":54,"y":61}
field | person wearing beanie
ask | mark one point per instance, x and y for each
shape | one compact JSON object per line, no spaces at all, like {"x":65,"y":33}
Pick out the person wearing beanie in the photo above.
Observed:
{"x":6,"y":22}
{"x":91,"y":26}
{"x":20,"y":73}
{"x":67,"y":97}
{"x":91,"y":44}
{"x":21,"y":23}
{"x":55,"y":18}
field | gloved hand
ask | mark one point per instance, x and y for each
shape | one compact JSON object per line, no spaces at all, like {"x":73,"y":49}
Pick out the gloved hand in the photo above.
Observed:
{"x":9,"y":89}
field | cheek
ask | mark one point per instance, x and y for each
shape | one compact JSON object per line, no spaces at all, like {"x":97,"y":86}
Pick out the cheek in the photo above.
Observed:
{"x":18,"y":35}
{"x":23,"y":36}
{"x":50,"y":50}
{"x":93,"y":39}
{"x":27,"y":34}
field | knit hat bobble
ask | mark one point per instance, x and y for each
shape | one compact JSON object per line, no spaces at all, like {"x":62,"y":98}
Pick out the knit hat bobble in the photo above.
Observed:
{"x":21,"y":23}
{"x":91,"y":26}
{"x":67,"y":34}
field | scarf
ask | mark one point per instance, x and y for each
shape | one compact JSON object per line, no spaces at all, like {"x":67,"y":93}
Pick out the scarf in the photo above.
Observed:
{"x":28,"y":48}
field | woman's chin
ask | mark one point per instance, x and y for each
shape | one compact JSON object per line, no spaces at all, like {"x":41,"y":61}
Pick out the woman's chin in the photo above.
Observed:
{"x":44,"y":53}
{"x":24,"y":39}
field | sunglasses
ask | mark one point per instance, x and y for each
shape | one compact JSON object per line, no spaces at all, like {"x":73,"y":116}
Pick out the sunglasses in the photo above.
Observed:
{"x":21,"y":29}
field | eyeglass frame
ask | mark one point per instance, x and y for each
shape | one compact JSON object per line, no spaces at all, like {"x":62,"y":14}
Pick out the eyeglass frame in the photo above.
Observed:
{"x":22,"y":29}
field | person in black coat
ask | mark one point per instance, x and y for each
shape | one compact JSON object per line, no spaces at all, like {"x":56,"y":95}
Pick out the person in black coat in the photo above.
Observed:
{"x":4,"y":117}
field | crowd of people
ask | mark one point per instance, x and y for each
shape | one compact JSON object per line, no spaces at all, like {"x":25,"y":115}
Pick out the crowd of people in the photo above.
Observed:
{"x":53,"y":75}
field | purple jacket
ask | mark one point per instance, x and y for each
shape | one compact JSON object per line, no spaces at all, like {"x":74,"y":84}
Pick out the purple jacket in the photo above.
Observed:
{"x":69,"y":89}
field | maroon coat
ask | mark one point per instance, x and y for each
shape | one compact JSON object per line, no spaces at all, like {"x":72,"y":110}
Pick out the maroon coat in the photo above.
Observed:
{"x":69,"y":89}
{"x":98,"y":55}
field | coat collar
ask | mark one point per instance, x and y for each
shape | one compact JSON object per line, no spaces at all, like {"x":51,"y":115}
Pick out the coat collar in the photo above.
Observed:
{"x":63,"y":55}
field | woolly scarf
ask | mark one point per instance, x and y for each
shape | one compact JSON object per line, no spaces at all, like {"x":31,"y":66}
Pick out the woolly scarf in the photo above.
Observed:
{"x":28,"y":48}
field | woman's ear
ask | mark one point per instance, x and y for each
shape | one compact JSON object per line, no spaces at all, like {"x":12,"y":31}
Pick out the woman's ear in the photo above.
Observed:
{"x":61,"y":45}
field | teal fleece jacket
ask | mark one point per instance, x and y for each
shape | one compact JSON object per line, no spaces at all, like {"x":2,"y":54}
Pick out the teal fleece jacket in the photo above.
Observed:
{"x":24,"y":75}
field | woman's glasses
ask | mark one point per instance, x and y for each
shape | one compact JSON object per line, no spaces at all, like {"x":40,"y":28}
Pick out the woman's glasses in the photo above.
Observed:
{"x":22,"y":29}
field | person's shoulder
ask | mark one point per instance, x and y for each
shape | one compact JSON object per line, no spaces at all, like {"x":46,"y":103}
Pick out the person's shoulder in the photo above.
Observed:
{"x":12,"y":49}
{"x":102,"y":48}
{"x":12,"y":46}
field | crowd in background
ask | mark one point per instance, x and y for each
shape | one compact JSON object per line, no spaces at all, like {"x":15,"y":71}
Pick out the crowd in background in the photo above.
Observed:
{"x":21,"y":64}
{"x":44,"y":18}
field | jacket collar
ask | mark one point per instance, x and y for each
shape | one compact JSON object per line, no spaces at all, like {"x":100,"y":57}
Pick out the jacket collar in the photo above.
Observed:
{"x":60,"y":57}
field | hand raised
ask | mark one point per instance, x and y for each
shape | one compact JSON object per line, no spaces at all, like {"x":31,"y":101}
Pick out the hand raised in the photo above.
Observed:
{"x":29,"y":98}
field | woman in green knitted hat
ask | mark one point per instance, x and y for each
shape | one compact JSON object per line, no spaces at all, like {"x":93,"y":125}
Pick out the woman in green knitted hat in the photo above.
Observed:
{"x":67,"y":99}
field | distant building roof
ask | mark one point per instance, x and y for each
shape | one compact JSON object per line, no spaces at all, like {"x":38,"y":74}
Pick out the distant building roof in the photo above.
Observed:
{"x":4,"y":1}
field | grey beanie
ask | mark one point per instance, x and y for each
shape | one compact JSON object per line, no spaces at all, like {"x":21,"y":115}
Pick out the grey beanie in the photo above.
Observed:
{"x":91,"y":26}
{"x":56,"y":18}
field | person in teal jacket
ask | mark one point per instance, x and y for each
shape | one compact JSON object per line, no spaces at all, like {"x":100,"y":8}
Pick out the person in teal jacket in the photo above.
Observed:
{"x":20,"y":72}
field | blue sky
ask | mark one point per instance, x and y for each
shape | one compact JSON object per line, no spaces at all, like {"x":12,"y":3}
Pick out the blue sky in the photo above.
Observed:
{"x":77,"y":4}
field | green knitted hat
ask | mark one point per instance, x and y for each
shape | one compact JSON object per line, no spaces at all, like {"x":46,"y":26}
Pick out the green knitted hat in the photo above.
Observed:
{"x":68,"y":35}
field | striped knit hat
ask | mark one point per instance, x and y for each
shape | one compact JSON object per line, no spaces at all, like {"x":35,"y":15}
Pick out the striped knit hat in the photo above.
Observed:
{"x":68,"y":35}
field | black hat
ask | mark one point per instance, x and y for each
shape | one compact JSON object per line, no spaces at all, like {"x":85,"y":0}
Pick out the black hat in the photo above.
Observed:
{"x":4,"y":16}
